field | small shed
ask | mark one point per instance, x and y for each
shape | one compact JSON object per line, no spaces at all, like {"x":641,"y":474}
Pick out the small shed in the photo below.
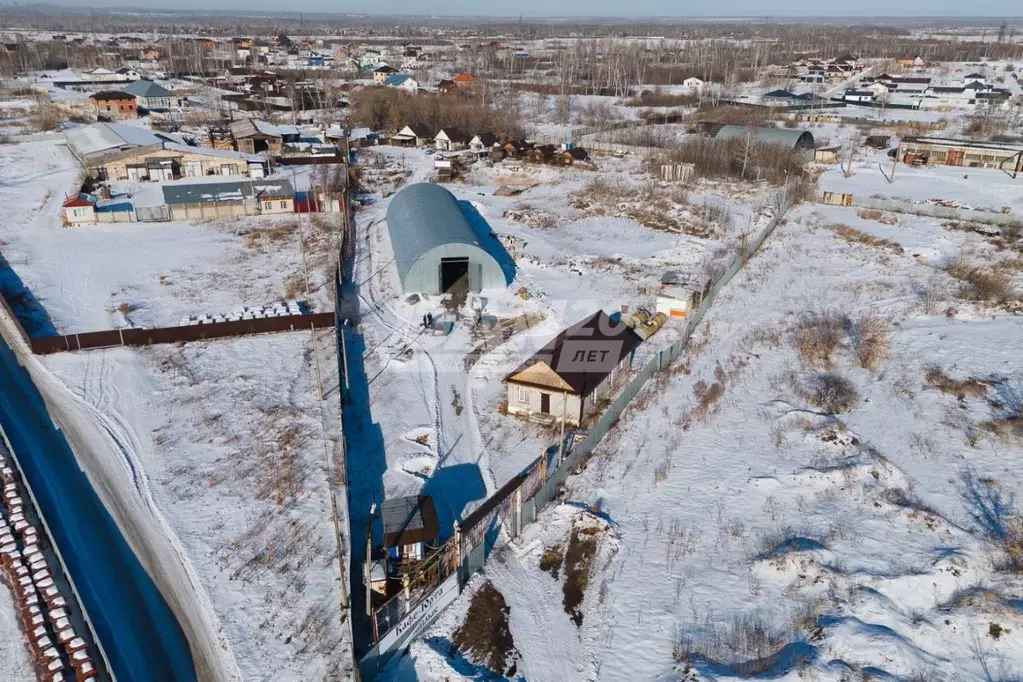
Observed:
{"x":826,"y":154}
{"x":410,"y":526}
{"x":878,"y":141}
{"x":79,"y":212}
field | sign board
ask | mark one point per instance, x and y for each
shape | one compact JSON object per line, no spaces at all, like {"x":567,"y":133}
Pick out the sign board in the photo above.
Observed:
{"x":421,"y":617}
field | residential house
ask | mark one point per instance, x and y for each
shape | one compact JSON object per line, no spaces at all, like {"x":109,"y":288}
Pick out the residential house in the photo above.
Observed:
{"x":153,"y":96}
{"x":693,"y":85}
{"x":228,"y":199}
{"x":112,"y":151}
{"x":977,"y":77}
{"x":274,"y":196}
{"x":782,"y":98}
{"x":79,"y":212}
{"x":853,"y":95}
{"x":382,"y":73}
{"x":417,"y":134}
{"x":911,"y":62}
{"x":483,"y":142}
{"x":450,"y":140}
{"x":569,"y":377}
{"x":445,"y":85}
{"x":99,"y":74}
{"x":129,"y":74}
{"x":541,"y":154}
{"x":411,"y":529}
{"x":254,"y":136}
{"x":516,"y":149}
{"x":204,"y":201}
{"x":464,"y":80}
{"x":114,"y":105}
{"x":403,"y":82}
{"x":570,"y":156}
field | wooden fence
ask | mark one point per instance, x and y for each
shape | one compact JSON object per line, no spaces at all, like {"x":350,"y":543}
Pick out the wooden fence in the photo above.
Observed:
{"x":197,"y":332}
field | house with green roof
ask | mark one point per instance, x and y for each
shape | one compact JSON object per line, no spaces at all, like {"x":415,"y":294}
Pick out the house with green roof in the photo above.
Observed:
{"x":152,"y":96}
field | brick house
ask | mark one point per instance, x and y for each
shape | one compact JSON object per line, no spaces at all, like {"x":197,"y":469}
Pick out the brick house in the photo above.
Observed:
{"x":114,"y":105}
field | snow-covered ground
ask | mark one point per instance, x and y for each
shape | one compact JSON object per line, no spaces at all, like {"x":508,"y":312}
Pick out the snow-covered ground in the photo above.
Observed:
{"x":104,"y":276}
{"x":987,"y":188}
{"x":234,"y":443}
{"x":213,"y":457}
{"x":751,"y":530}
{"x":440,"y":423}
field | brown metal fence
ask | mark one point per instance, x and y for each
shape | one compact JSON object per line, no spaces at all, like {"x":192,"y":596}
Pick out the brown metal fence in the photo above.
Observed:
{"x":198,"y":332}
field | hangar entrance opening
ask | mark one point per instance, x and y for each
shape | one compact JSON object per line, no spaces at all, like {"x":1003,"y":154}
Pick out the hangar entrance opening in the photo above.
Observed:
{"x":454,"y":276}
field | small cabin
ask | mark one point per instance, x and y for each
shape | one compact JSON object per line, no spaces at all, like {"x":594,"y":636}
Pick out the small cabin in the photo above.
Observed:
{"x":410,"y":527}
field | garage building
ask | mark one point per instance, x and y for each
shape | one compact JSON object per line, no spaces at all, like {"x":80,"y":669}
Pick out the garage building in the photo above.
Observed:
{"x":436,"y":248}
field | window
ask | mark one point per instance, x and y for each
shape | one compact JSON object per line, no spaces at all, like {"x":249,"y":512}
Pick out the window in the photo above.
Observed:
{"x":523,"y":395}
{"x":268,"y":205}
{"x":78,"y":212}
{"x":284,"y":204}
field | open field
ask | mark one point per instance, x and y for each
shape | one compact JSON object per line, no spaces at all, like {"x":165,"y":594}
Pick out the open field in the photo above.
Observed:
{"x":767,"y":511}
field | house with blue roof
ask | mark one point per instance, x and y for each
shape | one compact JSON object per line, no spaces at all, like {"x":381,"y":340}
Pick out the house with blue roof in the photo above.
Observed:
{"x":403,"y":81}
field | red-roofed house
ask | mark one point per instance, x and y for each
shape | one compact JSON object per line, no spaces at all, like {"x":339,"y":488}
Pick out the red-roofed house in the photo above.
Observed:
{"x":78,"y":211}
{"x":464,"y":80}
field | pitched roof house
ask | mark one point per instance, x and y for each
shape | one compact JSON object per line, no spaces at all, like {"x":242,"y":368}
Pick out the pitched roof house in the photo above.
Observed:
{"x":451,"y":139}
{"x":416,"y":133}
{"x":382,"y":73}
{"x":578,"y":368}
{"x":150,"y":95}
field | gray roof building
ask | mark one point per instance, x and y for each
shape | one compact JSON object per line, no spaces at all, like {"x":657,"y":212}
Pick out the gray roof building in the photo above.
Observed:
{"x":436,"y":248}
{"x":408,"y":520}
{"x":799,"y":140}
{"x":147,"y":89}
{"x":212,"y":192}
{"x":206,"y":192}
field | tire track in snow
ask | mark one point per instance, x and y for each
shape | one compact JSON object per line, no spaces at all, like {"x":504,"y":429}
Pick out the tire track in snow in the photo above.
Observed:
{"x":553,"y":647}
{"x":100,"y":395}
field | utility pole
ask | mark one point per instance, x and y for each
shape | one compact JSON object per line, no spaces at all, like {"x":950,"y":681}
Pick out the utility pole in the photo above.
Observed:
{"x":369,"y":560}
{"x":564,"y":415}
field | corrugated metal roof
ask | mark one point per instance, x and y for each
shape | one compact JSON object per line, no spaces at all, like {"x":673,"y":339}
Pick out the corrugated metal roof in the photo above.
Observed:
{"x":206,"y":192}
{"x":786,"y":136}
{"x":147,"y":88}
{"x":409,"y":519}
{"x":422,"y":217}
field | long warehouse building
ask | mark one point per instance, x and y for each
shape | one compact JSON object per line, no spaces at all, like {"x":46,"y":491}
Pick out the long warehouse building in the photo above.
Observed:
{"x":436,"y":248}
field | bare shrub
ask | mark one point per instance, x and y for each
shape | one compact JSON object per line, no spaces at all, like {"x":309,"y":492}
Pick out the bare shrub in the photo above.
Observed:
{"x":747,"y":645}
{"x":1012,"y":543}
{"x":872,"y":338}
{"x":980,"y":284}
{"x":818,"y":335}
{"x":295,"y":286}
{"x":551,"y":559}
{"x":960,"y":388}
{"x":1008,"y":403}
{"x":870,"y":214}
{"x":649,"y":98}
{"x":45,"y":118}
{"x":831,"y":392}
{"x":854,"y":236}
